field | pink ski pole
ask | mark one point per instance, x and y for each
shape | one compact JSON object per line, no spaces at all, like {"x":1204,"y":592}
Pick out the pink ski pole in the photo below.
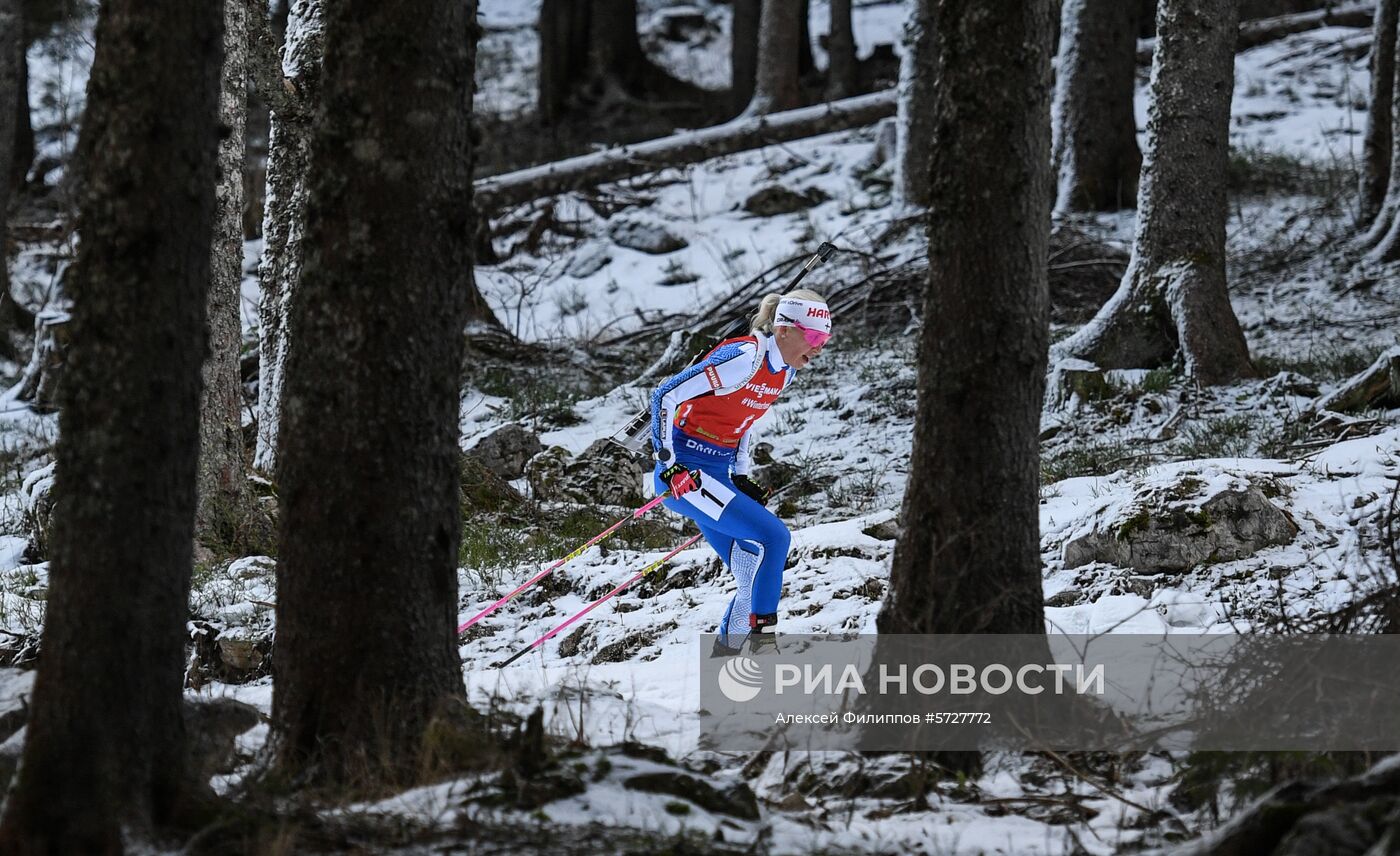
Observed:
{"x":648,"y":569}
{"x":562,"y":562}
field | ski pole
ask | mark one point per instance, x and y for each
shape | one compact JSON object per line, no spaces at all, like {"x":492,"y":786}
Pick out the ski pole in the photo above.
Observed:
{"x":648,"y":569}
{"x":562,"y":562}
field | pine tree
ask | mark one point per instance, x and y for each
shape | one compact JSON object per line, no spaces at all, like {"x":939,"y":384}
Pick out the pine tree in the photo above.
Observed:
{"x":367,"y":574}
{"x":777,"y":74}
{"x":914,"y":123}
{"x":743,"y":51}
{"x":284,"y":222}
{"x":1376,"y":155}
{"x":105,"y":745}
{"x":11,"y":63}
{"x":968,"y":558}
{"x":1173,"y":297}
{"x":1095,"y":152}
{"x":224,"y":499}
{"x":841,"y":47}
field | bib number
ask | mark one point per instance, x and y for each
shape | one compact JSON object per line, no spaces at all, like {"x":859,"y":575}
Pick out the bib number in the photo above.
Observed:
{"x":711,"y":498}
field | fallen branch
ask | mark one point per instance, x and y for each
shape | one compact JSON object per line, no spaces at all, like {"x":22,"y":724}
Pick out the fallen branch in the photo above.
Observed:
{"x":1265,"y":30}
{"x":1378,"y":384}
{"x":512,"y":188}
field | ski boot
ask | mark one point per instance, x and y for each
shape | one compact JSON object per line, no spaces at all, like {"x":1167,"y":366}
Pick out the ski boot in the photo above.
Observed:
{"x":763,"y":633}
{"x":720,"y":649}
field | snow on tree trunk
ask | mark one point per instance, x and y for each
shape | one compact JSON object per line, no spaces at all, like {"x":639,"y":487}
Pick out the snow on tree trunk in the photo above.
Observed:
{"x":743,"y":51}
{"x":1382,"y":239}
{"x":105,"y":754}
{"x":11,"y":61}
{"x":776,"y":79}
{"x":43,"y":375}
{"x":1375,"y":159}
{"x":288,"y":161}
{"x":841,"y":47}
{"x":368,"y":468}
{"x":223,"y":482}
{"x":914,"y":125}
{"x":968,"y":560}
{"x":1173,"y":296}
{"x":1095,"y":155}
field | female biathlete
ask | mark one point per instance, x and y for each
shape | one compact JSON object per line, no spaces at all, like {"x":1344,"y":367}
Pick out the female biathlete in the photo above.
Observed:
{"x":700,"y":421}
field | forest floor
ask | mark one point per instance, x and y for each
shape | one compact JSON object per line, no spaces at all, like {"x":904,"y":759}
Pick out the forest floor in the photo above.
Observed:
{"x":620,"y":694}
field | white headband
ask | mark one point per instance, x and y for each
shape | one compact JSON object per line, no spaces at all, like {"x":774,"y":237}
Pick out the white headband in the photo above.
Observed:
{"x":795,"y":312}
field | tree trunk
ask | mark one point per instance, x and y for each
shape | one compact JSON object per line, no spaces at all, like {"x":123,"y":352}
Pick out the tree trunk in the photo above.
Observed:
{"x":42,"y":377}
{"x":224,"y":498}
{"x":806,"y":62}
{"x":11,"y":61}
{"x":105,"y":746}
{"x":22,"y":155}
{"x":776,"y":78}
{"x":1096,"y":157}
{"x":297,"y":76}
{"x":914,"y":127}
{"x":743,"y":51}
{"x":563,"y":28}
{"x":591,"y":46}
{"x":841,"y":48}
{"x":1375,"y":159}
{"x":969,"y":557}
{"x":1174,"y":295}
{"x":1259,"y":32}
{"x":613,"y":47}
{"x":368,"y":469}
{"x":1382,"y":239}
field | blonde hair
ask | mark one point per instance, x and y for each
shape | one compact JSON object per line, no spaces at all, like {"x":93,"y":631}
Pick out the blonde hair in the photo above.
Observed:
{"x":762,"y":321}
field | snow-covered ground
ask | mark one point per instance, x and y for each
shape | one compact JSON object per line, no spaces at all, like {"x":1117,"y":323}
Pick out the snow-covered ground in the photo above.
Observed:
{"x":848,"y":421}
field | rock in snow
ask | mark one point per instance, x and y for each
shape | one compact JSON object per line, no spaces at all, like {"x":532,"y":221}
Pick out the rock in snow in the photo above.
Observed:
{"x":506,"y":450}
{"x":1159,"y":534}
{"x":645,"y":237}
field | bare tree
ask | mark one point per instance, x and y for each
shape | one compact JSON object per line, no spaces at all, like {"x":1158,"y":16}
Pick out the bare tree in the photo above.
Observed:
{"x":1376,"y":155}
{"x":776,"y":84}
{"x":105,"y":745}
{"x":914,"y":125}
{"x":1173,"y":297}
{"x":224,"y":498}
{"x":841,"y":48}
{"x":368,"y":469}
{"x":968,"y":558}
{"x":1095,"y":152}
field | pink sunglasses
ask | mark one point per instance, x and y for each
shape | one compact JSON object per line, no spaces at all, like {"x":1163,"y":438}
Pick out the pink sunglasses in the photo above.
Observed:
{"x":815,"y":338}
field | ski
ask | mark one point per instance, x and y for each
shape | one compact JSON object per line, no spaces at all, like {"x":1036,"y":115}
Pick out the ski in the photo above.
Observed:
{"x":562,"y":562}
{"x":595,"y":604}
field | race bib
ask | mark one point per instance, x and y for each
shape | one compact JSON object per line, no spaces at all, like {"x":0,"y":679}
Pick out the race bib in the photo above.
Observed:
{"x":710,"y":498}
